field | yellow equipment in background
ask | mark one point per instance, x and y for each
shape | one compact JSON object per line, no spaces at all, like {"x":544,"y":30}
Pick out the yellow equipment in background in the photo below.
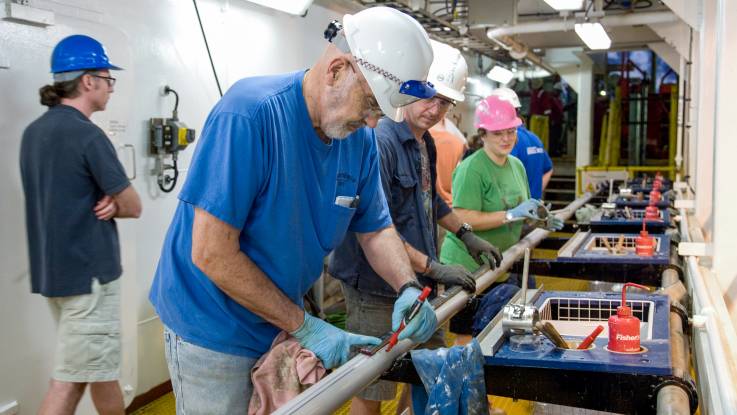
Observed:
{"x":540,"y":126}
{"x":611,"y":132}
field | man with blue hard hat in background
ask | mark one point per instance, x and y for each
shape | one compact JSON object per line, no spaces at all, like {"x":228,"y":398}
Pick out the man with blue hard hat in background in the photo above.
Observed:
{"x":74,"y":187}
{"x":529,"y":150}
{"x":285,"y":166}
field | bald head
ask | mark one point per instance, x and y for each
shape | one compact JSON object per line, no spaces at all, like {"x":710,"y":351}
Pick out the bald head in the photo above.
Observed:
{"x":338,"y":97}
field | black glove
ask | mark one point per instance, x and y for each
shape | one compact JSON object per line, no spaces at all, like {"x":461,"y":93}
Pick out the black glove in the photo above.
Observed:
{"x":479,"y":248}
{"x":451,"y":275}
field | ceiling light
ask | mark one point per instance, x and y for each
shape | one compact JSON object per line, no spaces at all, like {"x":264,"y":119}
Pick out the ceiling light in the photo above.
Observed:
{"x":295,"y":7}
{"x":565,"y":4}
{"x":500,"y":74}
{"x":593,"y":35}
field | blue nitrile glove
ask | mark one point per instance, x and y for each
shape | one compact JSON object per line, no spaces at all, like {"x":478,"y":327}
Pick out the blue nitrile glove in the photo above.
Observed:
{"x":526,"y":209}
{"x":421,"y":328}
{"x":329,"y":343}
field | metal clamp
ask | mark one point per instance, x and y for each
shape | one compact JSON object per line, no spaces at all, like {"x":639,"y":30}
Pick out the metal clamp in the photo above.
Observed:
{"x":686,"y":384}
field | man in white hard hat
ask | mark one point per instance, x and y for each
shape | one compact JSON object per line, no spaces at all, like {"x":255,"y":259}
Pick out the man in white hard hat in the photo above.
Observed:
{"x":284,"y":168}
{"x":529,"y":149}
{"x":407,"y":155}
{"x":450,"y":81}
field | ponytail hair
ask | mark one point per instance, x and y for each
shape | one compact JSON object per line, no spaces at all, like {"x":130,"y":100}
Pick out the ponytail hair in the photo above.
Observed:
{"x":51,"y":95}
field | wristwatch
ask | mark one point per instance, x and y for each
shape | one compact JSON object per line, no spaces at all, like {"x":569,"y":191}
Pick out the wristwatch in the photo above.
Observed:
{"x":464,"y":228}
{"x":508,"y":217}
{"x":412,"y":283}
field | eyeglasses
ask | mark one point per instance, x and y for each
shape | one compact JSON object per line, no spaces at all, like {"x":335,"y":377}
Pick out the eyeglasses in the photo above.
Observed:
{"x":443,"y":104}
{"x":371,"y":106}
{"x":110,"y":80}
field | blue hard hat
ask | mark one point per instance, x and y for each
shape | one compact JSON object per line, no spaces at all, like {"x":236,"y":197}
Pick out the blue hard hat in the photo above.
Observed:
{"x":79,"y":52}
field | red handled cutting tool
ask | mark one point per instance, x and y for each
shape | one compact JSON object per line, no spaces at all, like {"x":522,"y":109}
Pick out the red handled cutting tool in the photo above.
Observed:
{"x":409,"y":316}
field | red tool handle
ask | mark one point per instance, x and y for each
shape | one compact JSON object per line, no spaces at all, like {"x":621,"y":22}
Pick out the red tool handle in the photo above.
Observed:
{"x":590,"y":338}
{"x":409,"y":316}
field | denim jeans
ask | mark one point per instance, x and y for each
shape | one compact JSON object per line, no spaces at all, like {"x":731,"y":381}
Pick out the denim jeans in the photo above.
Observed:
{"x":206,"y":381}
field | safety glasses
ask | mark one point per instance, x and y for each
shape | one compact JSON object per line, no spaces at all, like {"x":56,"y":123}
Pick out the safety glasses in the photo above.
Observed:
{"x":442,"y":103}
{"x":110,"y":80}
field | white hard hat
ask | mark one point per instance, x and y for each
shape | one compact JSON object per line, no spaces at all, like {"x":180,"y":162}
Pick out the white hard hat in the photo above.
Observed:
{"x":507,"y":94}
{"x":393,"y":52}
{"x":448,"y":72}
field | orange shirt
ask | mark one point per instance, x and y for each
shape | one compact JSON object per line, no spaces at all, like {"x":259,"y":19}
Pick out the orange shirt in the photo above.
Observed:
{"x":450,"y":152}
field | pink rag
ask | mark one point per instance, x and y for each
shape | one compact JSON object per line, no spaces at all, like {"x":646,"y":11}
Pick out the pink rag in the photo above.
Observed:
{"x":282,"y":373}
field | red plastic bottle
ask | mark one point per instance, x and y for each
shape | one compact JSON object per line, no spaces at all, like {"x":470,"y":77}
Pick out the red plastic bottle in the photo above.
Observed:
{"x":644,"y":244}
{"x":652,"y":212}
{"x":657,"y":185}
{"x":624,"y":328}
{"x":655,"y":196}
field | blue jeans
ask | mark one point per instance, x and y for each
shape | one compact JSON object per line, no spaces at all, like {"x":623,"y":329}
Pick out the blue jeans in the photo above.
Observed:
{"x":206,"y":381}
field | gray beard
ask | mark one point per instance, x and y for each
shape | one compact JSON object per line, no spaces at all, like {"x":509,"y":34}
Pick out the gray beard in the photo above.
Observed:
{"x":339,"y":132}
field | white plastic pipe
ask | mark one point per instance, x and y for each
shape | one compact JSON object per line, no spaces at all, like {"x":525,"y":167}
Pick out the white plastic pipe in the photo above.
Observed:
{"x":711,"y":328}
{"x":560,"y":25}
{"x":335,"y":389}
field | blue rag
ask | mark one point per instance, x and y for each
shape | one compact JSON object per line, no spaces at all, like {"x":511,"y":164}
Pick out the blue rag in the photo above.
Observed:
{"x":453,"y":380}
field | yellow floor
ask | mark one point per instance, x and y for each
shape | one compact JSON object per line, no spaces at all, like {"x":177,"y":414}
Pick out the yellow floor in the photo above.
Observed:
{"x":165,"y":405}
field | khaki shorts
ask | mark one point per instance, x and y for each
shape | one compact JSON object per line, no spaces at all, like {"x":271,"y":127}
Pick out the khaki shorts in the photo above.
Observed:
{"x":88,"y":343}
{"x":371,"y":315}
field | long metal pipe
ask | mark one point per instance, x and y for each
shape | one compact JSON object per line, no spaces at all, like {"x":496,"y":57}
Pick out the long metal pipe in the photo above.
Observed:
{"x":672,"y":399}
{"x":711,"y":329}
{"x":560,"y":25}
{"x":335,"y":389}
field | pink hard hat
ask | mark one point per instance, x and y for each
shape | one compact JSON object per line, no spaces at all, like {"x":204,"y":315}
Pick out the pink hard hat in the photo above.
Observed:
{"x":494,"y":114}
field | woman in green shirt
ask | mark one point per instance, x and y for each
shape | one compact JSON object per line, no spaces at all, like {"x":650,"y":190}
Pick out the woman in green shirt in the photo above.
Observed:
{"x":491,"y":193}
{"x":490,"y":188}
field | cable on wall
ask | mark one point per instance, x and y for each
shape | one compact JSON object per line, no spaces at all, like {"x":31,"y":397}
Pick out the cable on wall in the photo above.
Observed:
{"x":207,"y":46}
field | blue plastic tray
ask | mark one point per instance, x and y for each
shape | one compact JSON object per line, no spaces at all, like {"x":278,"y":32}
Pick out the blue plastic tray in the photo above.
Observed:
{"x":655,"y":360}
{"x":622,"y":202}
{"x":582,"y":255}
{"x":620,"y":220}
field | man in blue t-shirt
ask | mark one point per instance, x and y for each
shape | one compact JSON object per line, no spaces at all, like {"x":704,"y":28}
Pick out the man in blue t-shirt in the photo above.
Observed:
{"x":284,"y":168}
{"x":529,"y":149}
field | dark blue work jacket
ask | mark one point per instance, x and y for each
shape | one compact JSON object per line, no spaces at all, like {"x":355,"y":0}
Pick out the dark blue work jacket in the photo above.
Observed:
{"x":401,"y":177}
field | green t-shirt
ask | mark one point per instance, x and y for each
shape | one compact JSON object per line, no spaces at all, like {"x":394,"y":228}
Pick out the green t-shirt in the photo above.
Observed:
{"x":482,"y":185}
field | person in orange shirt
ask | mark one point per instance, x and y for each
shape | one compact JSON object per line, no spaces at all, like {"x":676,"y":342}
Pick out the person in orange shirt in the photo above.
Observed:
{"x":451,"y":148}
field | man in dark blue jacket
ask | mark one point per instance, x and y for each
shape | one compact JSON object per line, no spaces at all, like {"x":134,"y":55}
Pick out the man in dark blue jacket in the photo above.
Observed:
{"x":408,"y":176}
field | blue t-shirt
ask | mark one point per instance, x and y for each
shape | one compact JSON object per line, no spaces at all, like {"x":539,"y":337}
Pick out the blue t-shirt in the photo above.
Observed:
{"x":529,"y":149}
{"x":260,"y":167}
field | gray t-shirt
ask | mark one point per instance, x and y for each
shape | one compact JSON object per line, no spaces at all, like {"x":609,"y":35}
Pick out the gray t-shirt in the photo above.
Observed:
{"x":68,"y":164}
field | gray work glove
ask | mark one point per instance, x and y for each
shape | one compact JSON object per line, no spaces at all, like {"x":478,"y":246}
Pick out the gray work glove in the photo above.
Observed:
{"x":552,"y":223}
{"x":479,"y":248}
{"x":451,"y":275}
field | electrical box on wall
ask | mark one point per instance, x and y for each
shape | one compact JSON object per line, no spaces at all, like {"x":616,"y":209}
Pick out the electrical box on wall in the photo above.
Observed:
{"x":168,"y":136}
{"x":492,"y":13}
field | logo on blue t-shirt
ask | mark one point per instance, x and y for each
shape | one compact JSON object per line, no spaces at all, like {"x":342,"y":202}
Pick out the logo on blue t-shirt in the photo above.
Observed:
{"x":535,"y":150}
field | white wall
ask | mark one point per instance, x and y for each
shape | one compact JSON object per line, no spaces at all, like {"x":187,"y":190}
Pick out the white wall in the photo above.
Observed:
{"x":157,"y":43}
